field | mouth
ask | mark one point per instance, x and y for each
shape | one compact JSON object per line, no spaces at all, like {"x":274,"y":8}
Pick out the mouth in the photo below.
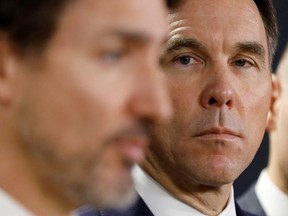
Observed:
{"x":133,"y":148}
{"x":218,"y":133}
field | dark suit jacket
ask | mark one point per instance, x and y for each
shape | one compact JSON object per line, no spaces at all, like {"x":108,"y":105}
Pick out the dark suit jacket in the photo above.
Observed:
{"x":250,"y":202}
{"x":141,"y":209}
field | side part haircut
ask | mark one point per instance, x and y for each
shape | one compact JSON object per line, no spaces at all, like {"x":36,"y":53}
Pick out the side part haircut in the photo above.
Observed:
{"x":268,"y":14}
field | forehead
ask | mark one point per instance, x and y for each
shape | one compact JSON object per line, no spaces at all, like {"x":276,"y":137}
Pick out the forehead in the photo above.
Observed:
{"x":217,"y":21}
{"x":84,"y":16}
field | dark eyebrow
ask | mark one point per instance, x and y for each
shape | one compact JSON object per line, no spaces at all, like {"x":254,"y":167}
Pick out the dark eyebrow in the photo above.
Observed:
{"x":132,"y":36}
{"x":253,"y":48}
{"x":178,"y":43}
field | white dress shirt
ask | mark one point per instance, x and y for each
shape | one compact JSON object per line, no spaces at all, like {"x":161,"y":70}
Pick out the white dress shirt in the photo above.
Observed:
{"x":161,"y":202}
{"x":10,"y":207}
{"x":272,"y":199}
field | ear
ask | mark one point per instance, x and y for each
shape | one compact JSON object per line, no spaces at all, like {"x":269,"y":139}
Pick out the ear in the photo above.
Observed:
{"x":7,"y":72}
{"x":272,"y":115}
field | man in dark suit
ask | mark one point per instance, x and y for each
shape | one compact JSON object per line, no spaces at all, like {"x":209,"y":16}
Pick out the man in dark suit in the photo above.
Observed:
{"x":217,"y":62}
{"x":140,"y":209}
{"x":269,"y":195}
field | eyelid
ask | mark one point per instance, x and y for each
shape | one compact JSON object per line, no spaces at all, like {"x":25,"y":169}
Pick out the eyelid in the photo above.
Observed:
{"x":246,"y":59}
{"x":112,"y":56}
{"x":196,"y":58}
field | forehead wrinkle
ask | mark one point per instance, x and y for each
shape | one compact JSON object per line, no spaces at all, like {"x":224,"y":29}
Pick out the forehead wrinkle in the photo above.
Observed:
{"x":183,"y":22}
{"x":183,"y":42}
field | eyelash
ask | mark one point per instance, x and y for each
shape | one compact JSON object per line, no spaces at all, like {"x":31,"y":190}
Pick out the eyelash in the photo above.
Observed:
{"x":245,"y":61}
{"x":178,"y":59}
{"x":113,"y":56}
{"x":186,"y":61}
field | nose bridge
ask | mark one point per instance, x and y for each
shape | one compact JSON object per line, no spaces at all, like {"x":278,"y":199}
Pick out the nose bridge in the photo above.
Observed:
{"x":150,"y":93}
{"x":218,"y":91}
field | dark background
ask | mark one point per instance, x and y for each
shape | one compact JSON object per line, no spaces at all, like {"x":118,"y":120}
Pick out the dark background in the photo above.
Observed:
{"x":260,"y":161}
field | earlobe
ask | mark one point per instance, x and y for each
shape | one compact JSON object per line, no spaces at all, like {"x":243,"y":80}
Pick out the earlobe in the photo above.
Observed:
{"x":272,"y":115}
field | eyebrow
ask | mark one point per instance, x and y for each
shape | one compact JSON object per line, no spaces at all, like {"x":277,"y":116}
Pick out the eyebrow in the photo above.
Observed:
{"x":179,"y":43}
{"x":131,"y":36}
{"x":254,"y":48}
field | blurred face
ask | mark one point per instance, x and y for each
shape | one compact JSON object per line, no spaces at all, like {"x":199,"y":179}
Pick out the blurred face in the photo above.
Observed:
{"x":85,"y":103}
{"x":277,"y":166}
{"x":216,"y":63}
{"x":279,"y":138}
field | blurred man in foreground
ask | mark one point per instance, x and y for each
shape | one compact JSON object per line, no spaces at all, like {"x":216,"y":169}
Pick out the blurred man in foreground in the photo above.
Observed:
{"x":80,"y":85}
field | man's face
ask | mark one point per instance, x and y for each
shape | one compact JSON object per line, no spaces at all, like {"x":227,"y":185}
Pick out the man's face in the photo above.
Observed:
{"x":280,"y":137}
{"x":216,"y":63}
{"x":277,"y":167}
{"x":84,"y":102}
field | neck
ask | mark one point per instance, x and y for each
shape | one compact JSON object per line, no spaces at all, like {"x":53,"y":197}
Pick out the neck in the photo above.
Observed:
{"x":209,"y":200}
{"x":18,"y":178}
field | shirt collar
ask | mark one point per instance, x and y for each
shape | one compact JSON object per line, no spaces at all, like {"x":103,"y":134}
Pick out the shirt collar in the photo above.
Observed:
{"x":9,"y":206}
{"x":156,"y":196}
{"x":271,"y":198}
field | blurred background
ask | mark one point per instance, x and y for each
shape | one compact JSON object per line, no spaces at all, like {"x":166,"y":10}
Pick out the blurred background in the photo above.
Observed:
{"x":260,"y":161}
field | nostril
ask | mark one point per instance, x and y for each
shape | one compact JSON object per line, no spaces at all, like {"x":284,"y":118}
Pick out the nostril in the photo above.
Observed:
{"x":228,"y":103}
{"x":212,"y":101}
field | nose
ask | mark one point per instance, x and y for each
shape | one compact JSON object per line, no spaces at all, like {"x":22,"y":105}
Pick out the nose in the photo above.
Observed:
{"x":150,"y":94}
{"x":218,"y":92}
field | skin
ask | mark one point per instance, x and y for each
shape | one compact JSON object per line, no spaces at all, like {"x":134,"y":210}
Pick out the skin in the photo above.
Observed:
{"x":214,"y":59}
{"x":75,"y":117}
{"x":277,"y":128}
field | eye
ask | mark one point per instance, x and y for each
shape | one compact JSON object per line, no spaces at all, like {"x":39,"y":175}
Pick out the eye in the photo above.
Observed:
{"x":185,"y":60}
{"x":113,"y":56}
{"x":242,"y":63}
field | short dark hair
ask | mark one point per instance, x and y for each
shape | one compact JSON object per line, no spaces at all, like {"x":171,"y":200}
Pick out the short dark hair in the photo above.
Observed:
{"x":268,"y":14}
{"x":29,"y":24}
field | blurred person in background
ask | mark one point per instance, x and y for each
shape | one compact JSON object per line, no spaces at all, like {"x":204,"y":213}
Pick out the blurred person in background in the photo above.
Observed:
{"x":269,"y":195}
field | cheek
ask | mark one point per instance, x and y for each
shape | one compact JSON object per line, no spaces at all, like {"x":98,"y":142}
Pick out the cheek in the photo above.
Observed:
{"x":284,"y":113}
{"x":256,"y":112}
{"x":184,"y":100}
{"x":281,"y":132}
{"x":94,"y":111}
{"x":163,"y":137}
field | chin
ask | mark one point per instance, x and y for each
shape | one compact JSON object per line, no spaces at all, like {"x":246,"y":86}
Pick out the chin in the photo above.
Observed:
{"x":219,"y":174}
{"x":123,"y":201}
{"x":113,"y":199}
